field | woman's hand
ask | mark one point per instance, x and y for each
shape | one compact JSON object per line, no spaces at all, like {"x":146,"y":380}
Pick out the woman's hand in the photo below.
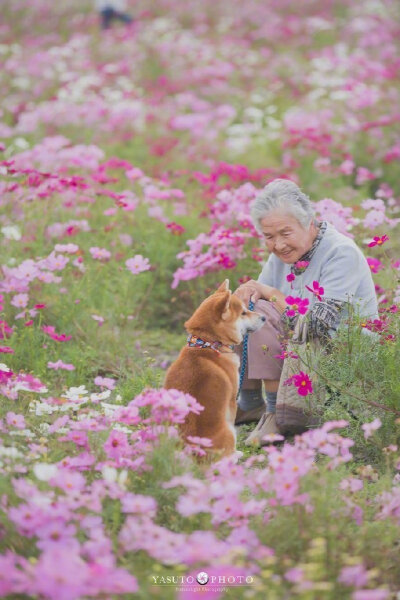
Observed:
{"x":253,"y":290}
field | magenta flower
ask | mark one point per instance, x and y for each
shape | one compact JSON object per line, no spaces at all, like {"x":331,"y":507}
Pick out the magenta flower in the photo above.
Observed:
{"x":6,"y":350}
{"x":374,"y":264}
{"x":302,"y":382}
{"x":301,"y":265}
{"x":298,"y":306}
{"x":175,"y":228}
{"x":291,"y":277}
{"x":378,"y":241}
{"x":226,"y":261}
{"x":285,"y":354}
{"x":316,"y":289}
{"x":137,"y":264}
{"x":51,"y":331}
{"x":5,"y":374}
{"x":5,"y":330}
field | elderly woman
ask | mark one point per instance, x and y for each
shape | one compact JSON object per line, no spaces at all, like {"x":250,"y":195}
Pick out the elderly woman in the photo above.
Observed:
{"x":302,"y":250}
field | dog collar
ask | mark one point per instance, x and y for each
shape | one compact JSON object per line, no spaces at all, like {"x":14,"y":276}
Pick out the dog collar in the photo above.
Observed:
{"x":196,"y":342}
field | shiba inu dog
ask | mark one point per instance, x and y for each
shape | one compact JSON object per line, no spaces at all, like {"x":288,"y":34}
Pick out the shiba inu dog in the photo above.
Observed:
{"x":207,"y":368}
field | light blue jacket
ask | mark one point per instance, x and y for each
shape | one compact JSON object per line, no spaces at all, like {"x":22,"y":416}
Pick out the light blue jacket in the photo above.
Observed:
{"x":340,"y":268}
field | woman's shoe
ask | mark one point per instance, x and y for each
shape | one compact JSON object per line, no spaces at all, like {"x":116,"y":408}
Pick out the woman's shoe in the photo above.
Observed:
{"x":250,"y":416}
{"x":266,"y":426}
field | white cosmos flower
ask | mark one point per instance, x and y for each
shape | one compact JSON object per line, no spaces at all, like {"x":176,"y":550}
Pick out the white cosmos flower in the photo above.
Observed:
{"x":75,"y":393}
{"x":10,"y":452}
{"x":100,"y":396}
{"x":11,"y":232}
{"x":45,"y":471}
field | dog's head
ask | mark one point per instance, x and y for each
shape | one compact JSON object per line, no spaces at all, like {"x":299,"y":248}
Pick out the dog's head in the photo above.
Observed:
{"x":224,"y":317}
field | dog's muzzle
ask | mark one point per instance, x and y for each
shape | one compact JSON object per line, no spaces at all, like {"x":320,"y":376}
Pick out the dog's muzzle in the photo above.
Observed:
{"x":256,"y":325}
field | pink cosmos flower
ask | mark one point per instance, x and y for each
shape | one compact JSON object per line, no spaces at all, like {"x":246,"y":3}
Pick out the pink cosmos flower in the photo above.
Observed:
{"x":106,"y":382}
{"x":369,"y":428}
{"x":15,"y":420}
{"x":60,"y":365}
{"x":60,"y":573}
{"x":346,"y":167}
{"x":364,"y":175}
{"x":298,"y":306}
{"x":20,"y":300}
{"x":69,"y":480}
{"x":167,"y":405}
{"x":79,"y":438}
{"x":378,"y":594}
{"x":125,"y":239}
{"x":355,"y":576}
{"x":352,"y":484}
{"x":99,"y":319}
{"x":201,"y":441}
{"x":54,"y":262}
{"x":138,"y":264}
{"x":6,"y":350}
{"x":100,"y":253}
{"x":54,"y":534}
{"x":117,"y":445}
{"x":316,"y":289}
{"x":68,"y":248}
{"x":295,"y":575}
{"x":137,"y":503}
{"x":378,"y":241}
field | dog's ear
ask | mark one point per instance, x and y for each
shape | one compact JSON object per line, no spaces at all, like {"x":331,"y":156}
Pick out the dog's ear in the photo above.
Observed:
{"x":222,"y":307}
{"x":224,"y":287}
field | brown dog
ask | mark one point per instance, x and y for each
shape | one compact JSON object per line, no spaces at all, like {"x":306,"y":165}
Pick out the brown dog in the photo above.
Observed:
{"x":207,"y":368}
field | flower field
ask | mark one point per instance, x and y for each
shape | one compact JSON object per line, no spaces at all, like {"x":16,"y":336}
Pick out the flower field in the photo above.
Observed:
{"x":129,"y":158}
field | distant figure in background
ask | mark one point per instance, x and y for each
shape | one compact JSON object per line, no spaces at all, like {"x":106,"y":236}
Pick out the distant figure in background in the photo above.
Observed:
{"x":111,"y":10}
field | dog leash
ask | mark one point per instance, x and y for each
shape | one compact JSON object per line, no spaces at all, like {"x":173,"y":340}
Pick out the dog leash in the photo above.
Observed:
{"x":244,"y":354}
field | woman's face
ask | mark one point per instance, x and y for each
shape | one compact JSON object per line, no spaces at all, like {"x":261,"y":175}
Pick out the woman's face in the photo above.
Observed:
{"x":285,"y":237}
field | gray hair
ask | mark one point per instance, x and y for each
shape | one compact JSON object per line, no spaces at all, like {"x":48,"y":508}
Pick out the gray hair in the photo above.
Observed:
{"x":284,"y":196}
